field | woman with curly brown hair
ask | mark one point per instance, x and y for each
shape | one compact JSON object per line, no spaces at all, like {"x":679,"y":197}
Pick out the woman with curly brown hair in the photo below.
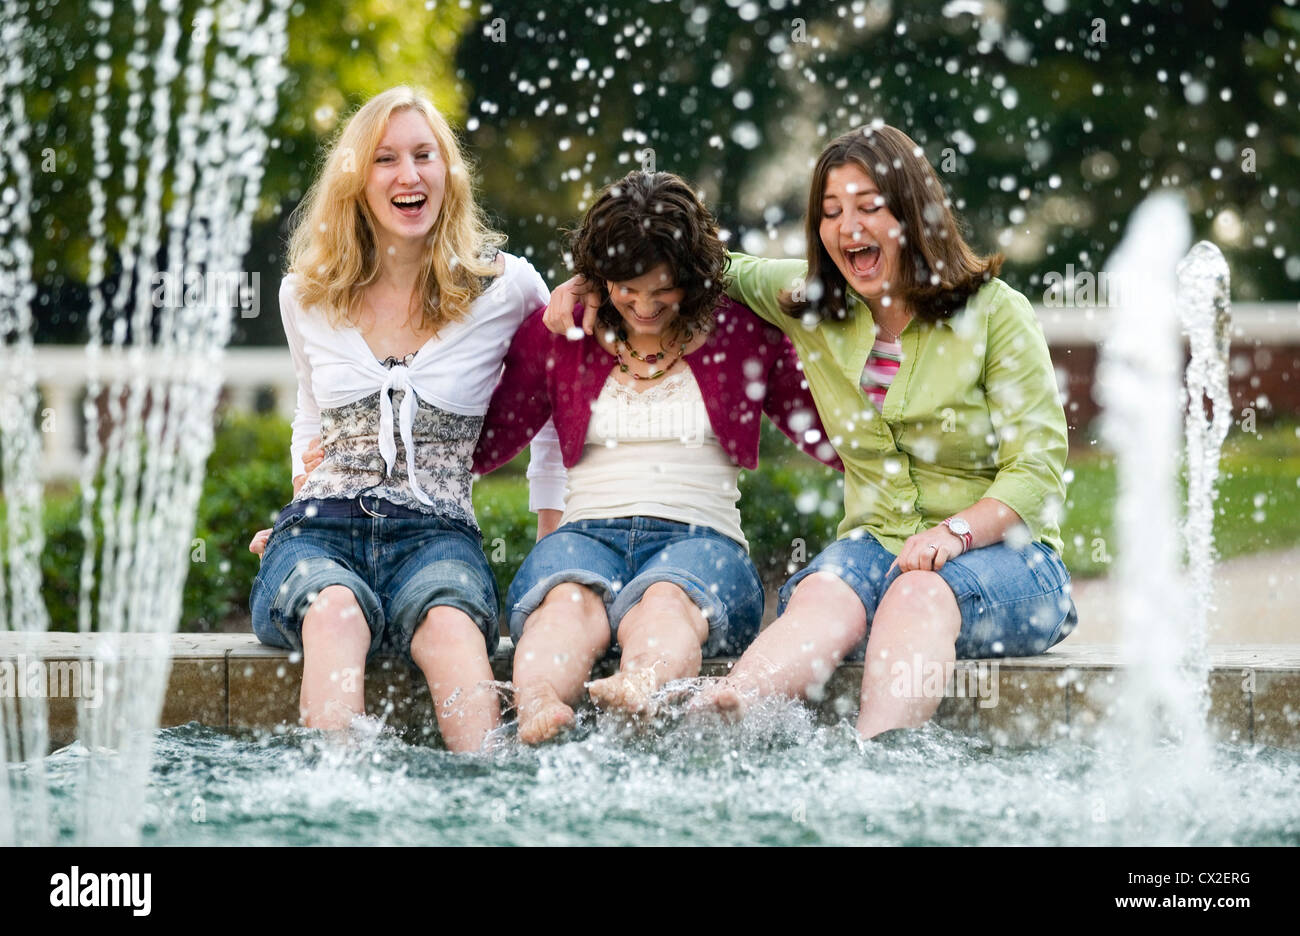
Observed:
{"x":655,"y":413}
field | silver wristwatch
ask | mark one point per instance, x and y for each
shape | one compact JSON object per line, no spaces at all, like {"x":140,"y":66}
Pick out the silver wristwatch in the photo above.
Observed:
{"x":962,"y":529}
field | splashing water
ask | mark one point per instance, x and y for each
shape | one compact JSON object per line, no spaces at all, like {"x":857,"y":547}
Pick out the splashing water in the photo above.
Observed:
{"x":152,"y":387}
{"x":778,"y":778}
{"x":1163,"y":697}
{"x":1204,"y":306}
{"x":22,"y":720}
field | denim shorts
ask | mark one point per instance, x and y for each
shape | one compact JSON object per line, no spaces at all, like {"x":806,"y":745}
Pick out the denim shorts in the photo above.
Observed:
{"x":398,"y":566}
{"x":619,"y":559}
{"x":1013,"y":602}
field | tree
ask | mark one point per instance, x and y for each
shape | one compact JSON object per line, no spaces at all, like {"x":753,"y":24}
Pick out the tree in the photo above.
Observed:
{"x":1048,"y":127}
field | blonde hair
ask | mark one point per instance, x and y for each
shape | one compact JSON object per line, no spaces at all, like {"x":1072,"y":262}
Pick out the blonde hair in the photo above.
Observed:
{"x":332,"y":244}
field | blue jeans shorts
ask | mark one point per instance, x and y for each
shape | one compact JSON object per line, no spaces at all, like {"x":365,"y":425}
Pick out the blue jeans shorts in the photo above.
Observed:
{"x":1013,"y":602}
{"x":619,"y":559}
{"x":398,"y":566}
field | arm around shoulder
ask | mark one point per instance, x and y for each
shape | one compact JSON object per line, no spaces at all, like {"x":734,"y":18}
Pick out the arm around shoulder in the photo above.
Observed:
{"x":758,"y":283}
{"x":520,"y":404}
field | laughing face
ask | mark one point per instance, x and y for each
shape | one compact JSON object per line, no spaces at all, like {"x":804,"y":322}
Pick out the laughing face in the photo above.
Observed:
{"x":859,"y":232}
{"x":407,"y":176}
{"x":649,"y":303}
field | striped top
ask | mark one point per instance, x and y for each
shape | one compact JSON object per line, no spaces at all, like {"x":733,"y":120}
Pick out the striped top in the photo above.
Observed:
{"x":882,"y":366}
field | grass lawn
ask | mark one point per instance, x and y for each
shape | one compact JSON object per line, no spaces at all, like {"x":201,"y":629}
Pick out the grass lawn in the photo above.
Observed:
{"x":1258,"y":507}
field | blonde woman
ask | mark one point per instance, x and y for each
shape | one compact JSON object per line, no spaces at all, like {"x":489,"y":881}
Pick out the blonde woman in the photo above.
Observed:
{"x":398,"y":310}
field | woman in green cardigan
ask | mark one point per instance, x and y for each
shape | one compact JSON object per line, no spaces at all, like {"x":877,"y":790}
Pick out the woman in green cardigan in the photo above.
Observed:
{"x":933,"y":380}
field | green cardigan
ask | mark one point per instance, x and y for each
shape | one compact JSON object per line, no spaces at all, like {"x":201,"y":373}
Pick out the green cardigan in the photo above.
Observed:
{"x":973,"y":411}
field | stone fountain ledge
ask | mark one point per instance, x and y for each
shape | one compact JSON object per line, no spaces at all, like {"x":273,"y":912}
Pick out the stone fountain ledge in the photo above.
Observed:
{"x":232,"y":681}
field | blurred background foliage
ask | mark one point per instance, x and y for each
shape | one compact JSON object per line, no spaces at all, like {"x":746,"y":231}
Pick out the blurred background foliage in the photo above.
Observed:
{"x":790,"y":509}
{"x":1048,"y":120}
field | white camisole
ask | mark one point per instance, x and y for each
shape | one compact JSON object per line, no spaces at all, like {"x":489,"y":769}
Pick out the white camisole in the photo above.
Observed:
{"x":653,"y":453}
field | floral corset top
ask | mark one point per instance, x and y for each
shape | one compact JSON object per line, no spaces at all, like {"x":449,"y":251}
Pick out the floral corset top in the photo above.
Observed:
{"x":443,"y":444}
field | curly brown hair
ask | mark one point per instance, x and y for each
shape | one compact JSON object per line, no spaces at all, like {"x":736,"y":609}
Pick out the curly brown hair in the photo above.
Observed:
{"x":645,"y":219}
{"x":938,"y":271}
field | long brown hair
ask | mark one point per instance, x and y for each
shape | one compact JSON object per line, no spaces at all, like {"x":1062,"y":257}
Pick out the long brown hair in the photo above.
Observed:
{"x":645,"y":219}
{"x":937,"y":271}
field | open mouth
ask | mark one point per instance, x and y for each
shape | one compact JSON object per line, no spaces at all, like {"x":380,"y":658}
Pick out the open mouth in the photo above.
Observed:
{"x":864,"y":261}
{"x":410,"y":205}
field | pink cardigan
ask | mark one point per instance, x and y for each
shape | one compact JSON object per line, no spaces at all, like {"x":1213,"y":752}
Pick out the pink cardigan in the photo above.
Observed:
{"x":744,"y":368}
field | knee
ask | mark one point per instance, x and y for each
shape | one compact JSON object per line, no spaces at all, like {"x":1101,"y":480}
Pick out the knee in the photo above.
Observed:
{"x":826,"y":594}
{"x":919,"y":589}
{"x":664,"y":600}
{"x":445,"y":630}
{"x":923,"y":600}
{"x":567,"y":597}
{"x":566,"y":602}
{"x":335,"y":615}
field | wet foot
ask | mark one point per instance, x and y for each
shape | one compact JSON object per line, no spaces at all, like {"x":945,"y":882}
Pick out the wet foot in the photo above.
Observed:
{"x":542,"y":714}
{"x":628,"y":691}
{"x":721,"y":696}
{"x":895,"y":737}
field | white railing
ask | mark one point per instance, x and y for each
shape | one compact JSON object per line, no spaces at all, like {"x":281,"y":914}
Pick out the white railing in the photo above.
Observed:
{"x":61,"y":375}
{"x":1262,"y":322}
{"x":61,"y":370}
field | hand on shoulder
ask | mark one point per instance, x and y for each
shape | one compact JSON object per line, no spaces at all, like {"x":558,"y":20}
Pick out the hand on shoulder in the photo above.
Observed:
{"x":559,"y":311}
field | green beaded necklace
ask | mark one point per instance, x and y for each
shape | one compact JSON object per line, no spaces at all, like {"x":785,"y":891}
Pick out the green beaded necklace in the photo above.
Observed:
{"x":649,"y":359}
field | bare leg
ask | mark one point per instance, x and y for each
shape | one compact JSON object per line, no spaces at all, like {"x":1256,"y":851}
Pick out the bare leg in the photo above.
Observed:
{"x":661,"y":639}
{"x":335,"y":641}
{"x":916,"y":624}
{"x":824,"y":620}
{"x":561,"y":642}
{"x":449,"y":649}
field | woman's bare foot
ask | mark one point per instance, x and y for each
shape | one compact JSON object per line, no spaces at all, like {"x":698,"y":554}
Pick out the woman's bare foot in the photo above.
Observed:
{"x":721,"y":696}
{"x":542,"y":714}
{"x":628,"y":691}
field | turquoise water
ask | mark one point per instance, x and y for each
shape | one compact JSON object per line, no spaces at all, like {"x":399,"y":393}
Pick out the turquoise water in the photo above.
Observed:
{"x":778,"y":779}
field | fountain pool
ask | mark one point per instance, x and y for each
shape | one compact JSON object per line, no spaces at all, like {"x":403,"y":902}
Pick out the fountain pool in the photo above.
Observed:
{"x":780,"y":779}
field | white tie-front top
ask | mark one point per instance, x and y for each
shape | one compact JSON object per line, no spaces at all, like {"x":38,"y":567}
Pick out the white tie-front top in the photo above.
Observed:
{"x":404,"y":432}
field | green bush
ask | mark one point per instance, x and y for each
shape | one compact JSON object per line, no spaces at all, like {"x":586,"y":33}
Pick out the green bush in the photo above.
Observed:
{"x":509,"y":529}
{"x":239,"y":498}
{"x":247,"y":481}
{"x":61,"y":559}
{"x":790,"y":510}
{"x":789,"y":514}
